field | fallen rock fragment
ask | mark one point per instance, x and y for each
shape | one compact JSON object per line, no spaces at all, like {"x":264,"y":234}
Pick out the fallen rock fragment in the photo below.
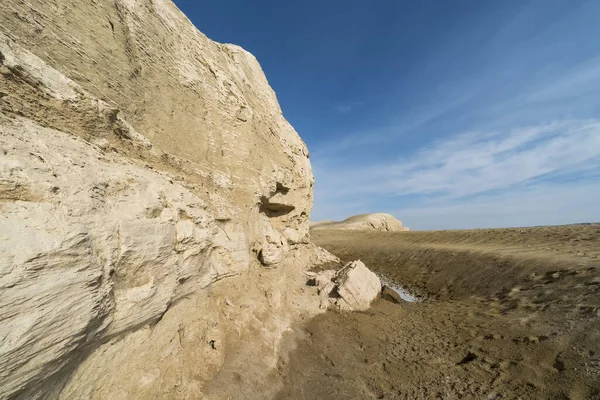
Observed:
{"x":389,"y":294}
{"x":323,"y":259}
{"x":357,"y":285}
{"x":353,"y":287}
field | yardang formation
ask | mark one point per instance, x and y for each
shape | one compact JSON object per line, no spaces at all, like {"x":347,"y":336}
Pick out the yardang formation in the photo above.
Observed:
{"x":141,"y":164}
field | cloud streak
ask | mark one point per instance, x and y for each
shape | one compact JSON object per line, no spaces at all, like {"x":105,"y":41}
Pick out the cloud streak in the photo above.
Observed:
{"x":542,"y":204}
{"x":478,"y":162}
{"x":469,"y":165}
{"x":343,"y":107}
{"x":489,"y":130}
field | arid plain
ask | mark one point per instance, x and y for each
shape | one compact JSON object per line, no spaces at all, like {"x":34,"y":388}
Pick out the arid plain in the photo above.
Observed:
{"x":506,"y":314}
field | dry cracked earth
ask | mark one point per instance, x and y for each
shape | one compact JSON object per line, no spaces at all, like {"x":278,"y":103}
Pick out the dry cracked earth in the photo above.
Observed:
{"x":507,"y":314}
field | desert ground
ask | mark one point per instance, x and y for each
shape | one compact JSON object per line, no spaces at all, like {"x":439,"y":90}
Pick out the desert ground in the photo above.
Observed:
{"x":505,"y":314}
{"x":155,"y":239}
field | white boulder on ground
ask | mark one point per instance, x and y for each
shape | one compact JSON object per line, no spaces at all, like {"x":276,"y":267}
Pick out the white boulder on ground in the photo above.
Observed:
{"x":375,"y":222}
{"x":354,"y":287}
{"x":357,"y":286}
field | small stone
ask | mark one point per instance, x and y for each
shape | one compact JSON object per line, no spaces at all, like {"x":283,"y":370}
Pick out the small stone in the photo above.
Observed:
{"x":389,"y":294}
{"x":102,"y":143}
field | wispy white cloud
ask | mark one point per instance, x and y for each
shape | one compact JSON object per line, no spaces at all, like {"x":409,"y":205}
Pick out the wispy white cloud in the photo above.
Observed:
{"x":393,"y":130}
{"x":474,"y":163}
{"x":481,"y":147}
{"x":543,"y":204}
{"x":580,"y":79}
{"x":467,"y":165}
{"x":343,"y":107}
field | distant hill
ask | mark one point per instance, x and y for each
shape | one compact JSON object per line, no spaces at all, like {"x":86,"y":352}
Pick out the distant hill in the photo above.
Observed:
{"x":368,"y":222}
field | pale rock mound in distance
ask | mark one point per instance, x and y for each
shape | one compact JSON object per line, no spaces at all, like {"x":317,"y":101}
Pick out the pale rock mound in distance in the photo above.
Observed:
{"x":154,"y":207}
{"x":375,"y":221}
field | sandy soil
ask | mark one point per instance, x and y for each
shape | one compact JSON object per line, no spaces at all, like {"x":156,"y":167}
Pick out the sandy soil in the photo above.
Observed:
{"x":509,"y":313}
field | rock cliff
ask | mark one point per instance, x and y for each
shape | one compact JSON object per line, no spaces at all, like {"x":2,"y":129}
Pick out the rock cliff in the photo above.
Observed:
{"x":141,"y":164}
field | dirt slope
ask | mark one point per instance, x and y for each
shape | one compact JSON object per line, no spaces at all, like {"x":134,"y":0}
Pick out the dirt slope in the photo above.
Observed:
{"x":510,"y":313}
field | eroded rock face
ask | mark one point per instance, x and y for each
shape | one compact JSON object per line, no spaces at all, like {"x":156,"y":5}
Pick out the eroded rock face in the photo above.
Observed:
{"x":140,"y":163}
{"x":372,"y":222}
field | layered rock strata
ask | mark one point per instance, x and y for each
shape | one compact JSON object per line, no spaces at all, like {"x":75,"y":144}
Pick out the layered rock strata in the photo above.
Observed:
{"x":364,"y":222}
{"x":141,"y":164}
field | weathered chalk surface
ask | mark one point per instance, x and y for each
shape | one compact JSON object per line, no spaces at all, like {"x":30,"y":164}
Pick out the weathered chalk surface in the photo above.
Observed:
{"x":140,"y":164}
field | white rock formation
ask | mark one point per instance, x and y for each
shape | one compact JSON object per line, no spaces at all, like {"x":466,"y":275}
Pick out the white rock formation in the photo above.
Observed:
{"x":141,"y":164}
{"x":354,"y":287}
{"x":373,"y":222}
{"x":357,"y":286}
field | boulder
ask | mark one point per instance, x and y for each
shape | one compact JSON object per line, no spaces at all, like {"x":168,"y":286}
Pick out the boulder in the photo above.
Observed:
{"x":326,"y":288}
{"x":354,"y":287}
{"x":357,"y":286}
{"x":389,"y":294}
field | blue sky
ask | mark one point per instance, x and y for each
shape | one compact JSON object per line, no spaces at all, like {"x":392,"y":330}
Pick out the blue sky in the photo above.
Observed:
{"x":447,"y":114}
